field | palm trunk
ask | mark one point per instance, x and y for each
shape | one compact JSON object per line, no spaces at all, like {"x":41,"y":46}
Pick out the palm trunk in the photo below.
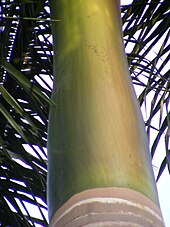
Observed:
{"x":99,"y":170}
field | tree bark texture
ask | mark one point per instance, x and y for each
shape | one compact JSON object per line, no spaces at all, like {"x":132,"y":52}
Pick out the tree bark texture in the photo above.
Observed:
{"x":108,"y":207}
{"x":96,"y":135}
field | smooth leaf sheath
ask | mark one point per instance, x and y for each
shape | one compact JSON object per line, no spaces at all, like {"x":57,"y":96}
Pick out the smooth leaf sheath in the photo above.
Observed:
{"x":96,"y":135}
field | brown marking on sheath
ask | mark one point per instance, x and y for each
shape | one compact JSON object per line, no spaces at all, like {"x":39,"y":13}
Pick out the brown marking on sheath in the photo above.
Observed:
{"x":108,"y":207}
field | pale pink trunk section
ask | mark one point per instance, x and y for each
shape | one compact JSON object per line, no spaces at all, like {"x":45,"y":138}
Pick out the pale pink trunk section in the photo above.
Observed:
{"x":108,"y":207}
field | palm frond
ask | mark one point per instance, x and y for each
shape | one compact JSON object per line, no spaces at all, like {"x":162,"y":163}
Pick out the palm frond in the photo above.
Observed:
{"x":146,"y":37}
{"x":26,"y":64}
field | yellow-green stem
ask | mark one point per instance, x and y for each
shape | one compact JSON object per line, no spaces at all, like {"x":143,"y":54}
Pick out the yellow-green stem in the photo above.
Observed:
{"x":96,"y":136}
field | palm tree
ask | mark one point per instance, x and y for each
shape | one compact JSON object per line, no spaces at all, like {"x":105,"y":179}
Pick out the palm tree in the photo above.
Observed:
{"x":98,"y":155}
{"x":26,"y":60}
